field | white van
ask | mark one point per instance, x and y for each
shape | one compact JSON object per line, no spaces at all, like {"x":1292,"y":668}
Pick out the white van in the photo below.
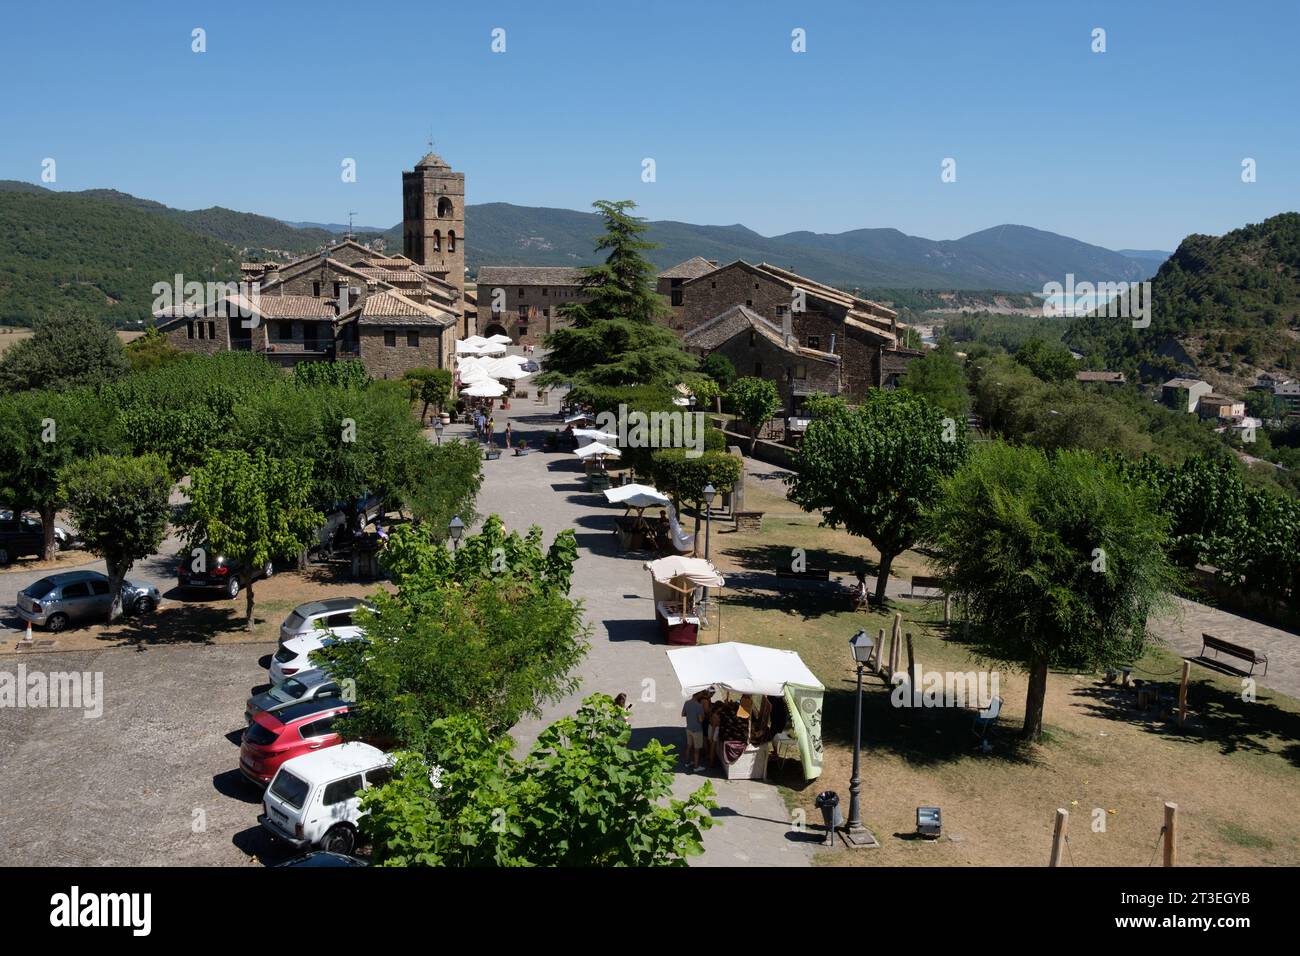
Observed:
{"x":312,"y":800}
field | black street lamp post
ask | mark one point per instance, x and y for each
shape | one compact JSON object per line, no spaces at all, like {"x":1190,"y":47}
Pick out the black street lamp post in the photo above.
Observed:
{"x":456,"y":528}
{"x":855,"y":833}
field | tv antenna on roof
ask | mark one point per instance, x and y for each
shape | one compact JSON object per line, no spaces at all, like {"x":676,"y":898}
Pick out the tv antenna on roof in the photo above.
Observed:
{"x":350,"y":215}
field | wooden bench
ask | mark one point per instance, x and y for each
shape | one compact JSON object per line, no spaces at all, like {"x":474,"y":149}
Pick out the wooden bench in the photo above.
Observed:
{"x":1212,"y":643}
{"x":921,"y":581}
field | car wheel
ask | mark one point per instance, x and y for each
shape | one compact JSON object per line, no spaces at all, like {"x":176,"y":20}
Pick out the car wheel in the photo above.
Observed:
{"x":232,"y":589}
{"x":56,"y":622}
{"x":341,"y":839}
{"x":143,"y":605}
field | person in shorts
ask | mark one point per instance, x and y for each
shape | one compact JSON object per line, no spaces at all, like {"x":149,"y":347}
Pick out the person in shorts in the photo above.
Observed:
{"x":693,"y":710}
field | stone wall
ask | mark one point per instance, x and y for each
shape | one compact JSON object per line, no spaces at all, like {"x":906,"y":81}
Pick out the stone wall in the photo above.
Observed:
{"x":391,"y":361}
{"x":540,"y":303}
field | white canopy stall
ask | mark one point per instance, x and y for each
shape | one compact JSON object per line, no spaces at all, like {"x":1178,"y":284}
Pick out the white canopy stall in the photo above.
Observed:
{"x":748,"y":669}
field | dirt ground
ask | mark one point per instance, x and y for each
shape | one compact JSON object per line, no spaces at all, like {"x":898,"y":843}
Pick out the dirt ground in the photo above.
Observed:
{"x":1232,"y":769}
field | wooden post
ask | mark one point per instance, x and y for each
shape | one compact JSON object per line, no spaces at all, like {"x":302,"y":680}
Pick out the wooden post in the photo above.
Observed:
{"x":1058,"y":836}
{"x":877,"y":652}
{"x":947,"y":609}
{"x":1182,"y":693}
{"x":911,"y":665}
{"x":1171,"y":834}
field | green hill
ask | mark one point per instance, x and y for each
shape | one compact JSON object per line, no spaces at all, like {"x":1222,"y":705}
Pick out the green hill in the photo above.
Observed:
{"x":74,"y":253}
{"x":1231,"y":303}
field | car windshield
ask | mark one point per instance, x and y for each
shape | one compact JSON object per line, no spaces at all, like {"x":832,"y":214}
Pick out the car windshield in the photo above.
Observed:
{"x":38,"y":589}
{"x":290,"y":789}
{"x":288,"y":690}
{"x":259,"y":735}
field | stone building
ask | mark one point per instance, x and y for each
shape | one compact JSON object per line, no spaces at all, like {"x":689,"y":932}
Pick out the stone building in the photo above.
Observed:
{"x":523,"y":302}
{"x":762,"y":349}
{"x":349,"y":301}
{"x":865,"y":337}
{"x":670,"y":281}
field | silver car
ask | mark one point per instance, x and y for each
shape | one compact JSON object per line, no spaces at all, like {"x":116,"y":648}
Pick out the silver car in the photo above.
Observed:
{"x":56,"y":601}
{"x":333,"y":614}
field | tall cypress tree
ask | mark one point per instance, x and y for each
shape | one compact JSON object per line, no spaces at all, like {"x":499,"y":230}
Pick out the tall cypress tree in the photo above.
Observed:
{"x":614,"y":336}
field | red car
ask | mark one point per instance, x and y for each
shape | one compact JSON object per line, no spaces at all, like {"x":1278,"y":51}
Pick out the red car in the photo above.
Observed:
{"x":272,"y":738}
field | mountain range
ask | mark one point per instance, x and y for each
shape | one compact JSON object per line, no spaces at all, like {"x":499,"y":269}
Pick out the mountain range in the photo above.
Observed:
{"x":1008,"y":257}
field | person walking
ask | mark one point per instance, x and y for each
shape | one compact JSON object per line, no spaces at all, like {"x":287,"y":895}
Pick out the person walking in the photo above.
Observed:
{"x":491,"y":429}
{"x":508,"y":425}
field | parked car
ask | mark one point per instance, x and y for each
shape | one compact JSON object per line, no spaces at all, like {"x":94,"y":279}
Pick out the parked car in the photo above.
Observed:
{"x":313,"y":799}
{"x":530,"y":366}
{"x":343,"y":519}
{"x":303,"y":686}
{"x":27,"y":525}
{"x":61,"y":599}
{"x":334,"y":614}
{"x":295,"y":655}
{"x":19,"y":539}
{"x":271,"y":739}
{"x":217,"y":573}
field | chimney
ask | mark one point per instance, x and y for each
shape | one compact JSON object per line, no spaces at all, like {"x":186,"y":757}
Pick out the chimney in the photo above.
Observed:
{"x":832,"y":348}
{"x":272,"y":273}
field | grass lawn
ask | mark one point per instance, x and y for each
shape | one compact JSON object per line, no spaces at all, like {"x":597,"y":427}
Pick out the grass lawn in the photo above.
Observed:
{"x":1234,"y":770}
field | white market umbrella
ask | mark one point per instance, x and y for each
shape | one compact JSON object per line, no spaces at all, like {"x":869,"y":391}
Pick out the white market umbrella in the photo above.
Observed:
{"x":580,"y":417}
{"x":474,"y":340}
{"x":499,"y":339}
{"x":636,"y":496}
{"x":594,"y":434}
{"x":597,"y":449}
{"x":510,"y":373}
{"x":466,"y":348}
{"x":486,"y":388}
{"x":492,"y":348}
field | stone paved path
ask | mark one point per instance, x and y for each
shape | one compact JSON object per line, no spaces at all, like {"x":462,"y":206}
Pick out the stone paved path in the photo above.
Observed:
{"x":626,"y":653}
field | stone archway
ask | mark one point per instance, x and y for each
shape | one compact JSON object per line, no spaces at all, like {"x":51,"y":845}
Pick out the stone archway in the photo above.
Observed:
{"x":496,"y":328}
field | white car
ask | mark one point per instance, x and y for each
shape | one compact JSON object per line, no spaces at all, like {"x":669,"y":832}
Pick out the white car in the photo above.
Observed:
{"x":312,"y":802}
{"x":295,"y":655}
{"x":334,"y":614}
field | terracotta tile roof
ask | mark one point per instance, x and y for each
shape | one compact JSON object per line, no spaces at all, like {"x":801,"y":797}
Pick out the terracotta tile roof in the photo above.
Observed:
{"x":287,"y":306}
{"x":873,"y":309}
{"x":528,"y":275}
{"x":393,"y":308}
{"x":404,"y":276}
{"x":722,"y":328}
{"x":1116,"y":378}
{"x":692,"y":268}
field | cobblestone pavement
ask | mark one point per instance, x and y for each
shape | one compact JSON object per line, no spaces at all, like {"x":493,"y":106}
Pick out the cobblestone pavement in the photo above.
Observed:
{"x":626,"y":653}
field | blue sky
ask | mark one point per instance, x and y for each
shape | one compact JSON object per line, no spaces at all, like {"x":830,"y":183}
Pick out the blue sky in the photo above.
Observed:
{"x":1134,"y":147}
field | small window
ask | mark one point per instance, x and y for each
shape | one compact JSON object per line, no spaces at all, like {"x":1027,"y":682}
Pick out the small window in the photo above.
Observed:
{"x":451,"y":242}
{"x":800,"y":372}
{"x":749,"y":303}
{"x":780,"y":311}
{"x":341,"y":791}
{"x":437,"y":240}
{"x":758,"y":370}
{"x":752,"y":338}
{"x":677,"y":296}
{"x":544,"y":290}
{"x":521,"y":293}
{"x":413,"y":339}
{"x":390,"y":338}
{"x":191,"y":329}
{"x":315,"y":289}
{"x":713,"y":285}
{"x":337,"y":289}
{"x":815,"y":342}
{"x":79,"y":590}
{"x":212,"y":329}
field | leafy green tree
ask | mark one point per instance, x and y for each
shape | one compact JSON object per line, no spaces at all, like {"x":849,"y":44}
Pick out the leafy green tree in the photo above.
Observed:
{"x":1061,"y":561}
{"x":64,"y":351}
{"x":487,"y":631}
{"x":432,"y":386}
{"x":755,"y":401}
{"x":1051,"y":363}
{"x":614,"y":336}
{"x":683,"y":475}
{"x":939,"y":378}
{"x":252,"y":509}
{"x":42,"y":432}
{"x":120,"y":507}
{"x":151,"y":350}
{"x":874,"y":469}
{"x":719,"y":368}
{"x":582,"y":796}
{"x":440,"y":482}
